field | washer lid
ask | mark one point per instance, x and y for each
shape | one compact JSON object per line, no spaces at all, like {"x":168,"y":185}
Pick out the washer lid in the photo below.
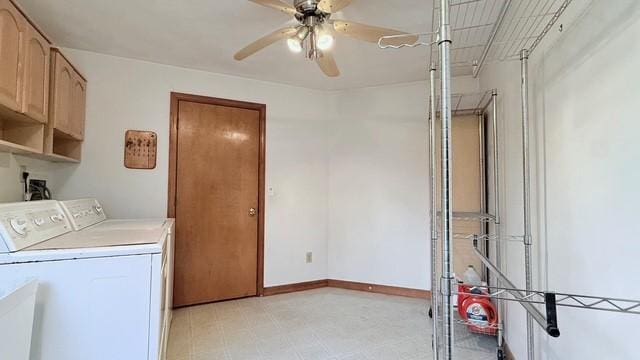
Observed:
{"x":143,"y":224}
{"x":88,"y":239}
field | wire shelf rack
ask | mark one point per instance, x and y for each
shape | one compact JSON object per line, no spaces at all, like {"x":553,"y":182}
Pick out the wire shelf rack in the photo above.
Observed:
{"x":485,"y":31}
{"x":565,"y":300}
{"x":486,"y":237}
{"x":471,"y":216}
{"x":489,"y":237}
{"x":469,"y":103}
{"x":482,"y":328}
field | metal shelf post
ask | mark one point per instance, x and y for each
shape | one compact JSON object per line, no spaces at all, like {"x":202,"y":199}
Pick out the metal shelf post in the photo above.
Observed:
{"x":496,"y":159}
{"x":526,"y":193}
{"x":496,"y":208}
{"x":446,"y":183}
{"x":434,"y":223}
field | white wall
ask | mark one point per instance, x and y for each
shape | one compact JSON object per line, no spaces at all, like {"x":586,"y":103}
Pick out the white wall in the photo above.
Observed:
{"x":378,"y":185}
{"x":11,"y":168}
{"x":127,"y":94}
{"x":584,"y":126}
{"x":11,"y":187}
{"x":378,"y":189}
{"x":352,"y":161}
{"x":348,"y":169}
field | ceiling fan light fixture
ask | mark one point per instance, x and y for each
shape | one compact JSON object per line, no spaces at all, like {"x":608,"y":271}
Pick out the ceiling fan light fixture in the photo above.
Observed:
{"x":302,"y":33}
{"x":315,"y":31}
{"x":325,"y":41}
{"x":294,"y":44}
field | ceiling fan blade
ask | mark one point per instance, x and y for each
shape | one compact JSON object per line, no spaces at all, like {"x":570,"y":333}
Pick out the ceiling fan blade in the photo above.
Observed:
{"x":278,"y":5}
{"x":372,"y":33}
{"x":263,"y":42}
{"x":328,"y":64}
{"x":332,"y":6}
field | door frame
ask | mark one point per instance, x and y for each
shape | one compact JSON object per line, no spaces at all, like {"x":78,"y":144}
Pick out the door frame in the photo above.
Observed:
{"x":173,"y":163}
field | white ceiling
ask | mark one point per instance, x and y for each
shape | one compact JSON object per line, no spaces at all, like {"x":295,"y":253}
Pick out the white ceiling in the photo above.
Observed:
{"x":204,"y":34}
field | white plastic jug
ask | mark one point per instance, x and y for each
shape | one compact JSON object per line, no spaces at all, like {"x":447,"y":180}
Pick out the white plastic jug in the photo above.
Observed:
{"x":471,"y":277}
{"x":16,"y":321}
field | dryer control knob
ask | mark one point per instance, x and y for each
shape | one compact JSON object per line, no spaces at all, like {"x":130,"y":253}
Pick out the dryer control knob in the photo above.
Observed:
{"x":19,"y":226}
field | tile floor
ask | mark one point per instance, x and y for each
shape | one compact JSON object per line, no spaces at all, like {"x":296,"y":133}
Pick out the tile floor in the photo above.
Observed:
{"x":323,"y":324}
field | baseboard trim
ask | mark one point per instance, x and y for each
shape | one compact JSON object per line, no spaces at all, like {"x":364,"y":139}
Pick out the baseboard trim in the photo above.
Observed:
{"x":290,"y":288}
{"x":348,"y":285}
{"x":380,"y":289}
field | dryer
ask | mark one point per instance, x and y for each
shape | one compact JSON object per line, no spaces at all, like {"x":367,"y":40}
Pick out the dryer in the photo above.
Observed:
{"x":89,"y":217}
{"x":105,"y":292}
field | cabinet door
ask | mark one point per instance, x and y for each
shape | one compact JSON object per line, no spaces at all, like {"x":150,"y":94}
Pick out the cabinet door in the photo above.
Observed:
{"x":61,"y":94}
{"x":36,"y":76}
{"x":78,"y":107}
{"x":12,"y":26}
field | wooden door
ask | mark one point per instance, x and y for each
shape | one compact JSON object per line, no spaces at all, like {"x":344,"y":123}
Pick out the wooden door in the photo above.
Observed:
{"x":61,"y":91}
{"x":78,"y":107}
{"x":12,"y":27}
{"x":35,"y":99}
{"x":217,"y":159}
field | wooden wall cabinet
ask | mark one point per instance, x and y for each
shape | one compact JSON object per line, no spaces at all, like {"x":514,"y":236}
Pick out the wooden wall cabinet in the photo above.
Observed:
{"x":67,"y":108}
{"x":24,"y":82}
{"x":60,"y":95}
{"x":35,"y":98}
{"x":24,"y":67}
{"x":78,"y":106}
{"x":12,"y":31}
{"x":42,"y":96}
{"x":68,"y":97}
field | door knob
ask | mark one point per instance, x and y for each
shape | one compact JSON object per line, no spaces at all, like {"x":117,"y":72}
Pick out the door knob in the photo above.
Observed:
{"x":253,"y":212}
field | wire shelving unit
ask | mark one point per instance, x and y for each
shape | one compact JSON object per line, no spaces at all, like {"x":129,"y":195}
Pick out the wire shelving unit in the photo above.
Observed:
{"x":477,"y":103}
{"x":624,"y":306}
{"x":473,"y":216}
{"x":466,"y":35}
{"x":470,"y":103}
{"x":486,"y":31}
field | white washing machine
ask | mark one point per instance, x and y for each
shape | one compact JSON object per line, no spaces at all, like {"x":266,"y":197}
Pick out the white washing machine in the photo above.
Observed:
{"x":105,"y":290}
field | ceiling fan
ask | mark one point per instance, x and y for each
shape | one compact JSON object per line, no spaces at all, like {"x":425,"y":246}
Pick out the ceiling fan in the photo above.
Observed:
{"x":314,"y":33}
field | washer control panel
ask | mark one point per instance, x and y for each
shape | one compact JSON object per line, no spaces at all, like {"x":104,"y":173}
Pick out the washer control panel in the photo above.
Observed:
{"x":83,"y":212}
{"x":25,"y":224}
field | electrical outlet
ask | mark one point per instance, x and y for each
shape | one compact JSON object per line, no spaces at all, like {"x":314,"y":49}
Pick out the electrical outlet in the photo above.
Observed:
{"x":309,"y":257}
